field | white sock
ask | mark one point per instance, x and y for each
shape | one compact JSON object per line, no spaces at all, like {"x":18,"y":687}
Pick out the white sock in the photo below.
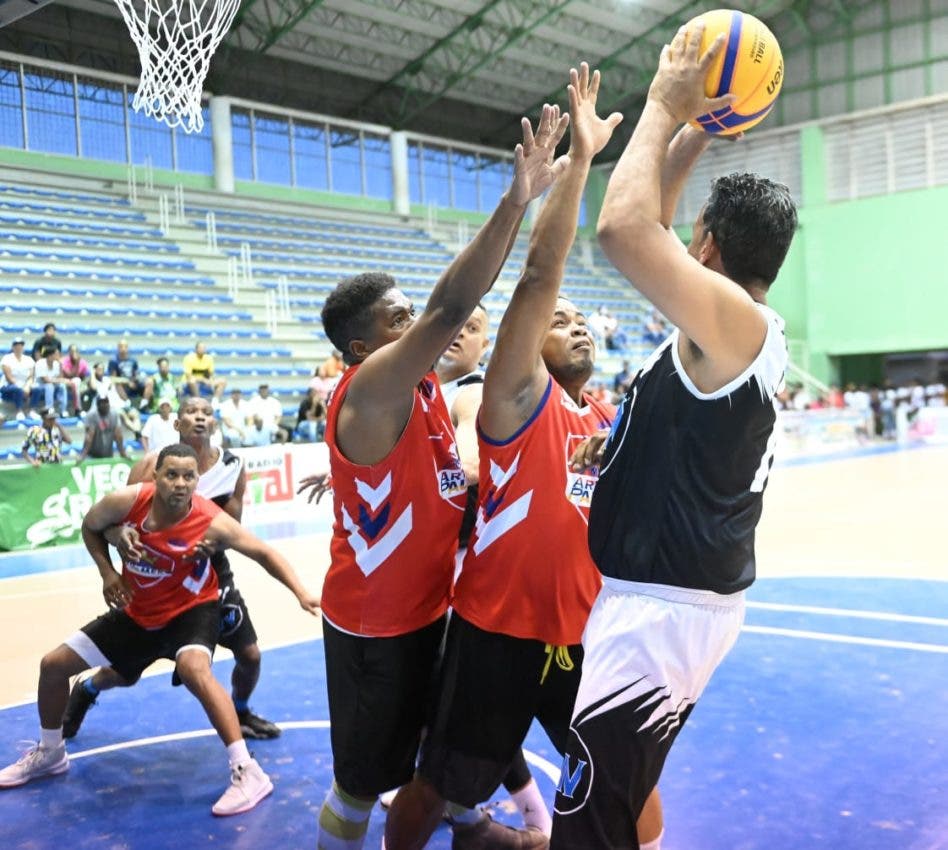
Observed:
{"x":533,"y":808}
{"x":343,"y":821}
{"x":50,"y":739}
{"x":237,"y":753}
{"x":656,"y":844}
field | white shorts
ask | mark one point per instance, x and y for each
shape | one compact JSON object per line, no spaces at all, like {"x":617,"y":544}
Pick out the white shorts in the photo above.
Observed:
{"x":650,"y":651}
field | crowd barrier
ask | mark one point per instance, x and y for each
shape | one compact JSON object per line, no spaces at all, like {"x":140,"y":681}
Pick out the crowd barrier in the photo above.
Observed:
{"x":45,"y":505}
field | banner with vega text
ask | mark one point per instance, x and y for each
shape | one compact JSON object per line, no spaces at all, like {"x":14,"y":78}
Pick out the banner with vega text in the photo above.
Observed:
{"x":44,"y":505}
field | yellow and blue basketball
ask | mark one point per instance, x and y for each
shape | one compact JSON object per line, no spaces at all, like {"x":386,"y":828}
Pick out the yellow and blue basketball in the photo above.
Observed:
{"x":750,"y":67}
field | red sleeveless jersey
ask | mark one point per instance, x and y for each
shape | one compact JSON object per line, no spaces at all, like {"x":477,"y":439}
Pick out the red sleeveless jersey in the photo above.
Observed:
{"x":167,"y":581}
{"x":396,"y":523}
{"x":528,"y":572}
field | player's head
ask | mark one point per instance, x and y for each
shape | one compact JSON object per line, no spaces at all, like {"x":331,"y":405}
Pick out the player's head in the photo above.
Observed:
{"x":364,"y":313}
{"x":468,"y":349}
{"x":176,"y":475}
{"x":568,"y":350}
{"x":196,"y":420}
{"x":745,"y":228}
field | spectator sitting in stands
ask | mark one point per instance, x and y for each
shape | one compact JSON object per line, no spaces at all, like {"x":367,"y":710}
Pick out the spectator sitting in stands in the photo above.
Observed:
{"x":159,"y":430}
{"x":49,"y":385}
{"x":160,"y":387}
{"x":199,"y":377}
{"x":17,"y":381}
{"x":311,"y":418}
{"x":656,"y":329}
{"x":48,"y":339}
{"x":259,"y":433}
{"x":103,"y":432}
{"x":45,"y":440}
{"x":269,"y":409}
{"x":235,"y":416}
{"x":623,"y":379}
{"x":327,"y":375}
{"x":102,"y":385}
{"x":76,"y":372}
{"x":123,"y":370}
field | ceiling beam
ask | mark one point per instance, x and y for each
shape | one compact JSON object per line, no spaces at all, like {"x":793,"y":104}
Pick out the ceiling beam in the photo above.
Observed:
{"x":477,"y":40}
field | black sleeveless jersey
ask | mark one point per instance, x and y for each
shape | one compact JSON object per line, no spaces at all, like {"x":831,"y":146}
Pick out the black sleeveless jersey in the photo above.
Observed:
{"x":681,"y":486}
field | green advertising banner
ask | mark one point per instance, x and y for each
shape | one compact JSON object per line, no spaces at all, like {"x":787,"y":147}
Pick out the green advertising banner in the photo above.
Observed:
{"x":44,"y":505}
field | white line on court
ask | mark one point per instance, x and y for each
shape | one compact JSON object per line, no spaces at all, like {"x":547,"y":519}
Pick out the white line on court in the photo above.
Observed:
{"x":547,"y":767}
{"x":863,"y":641}
{"x":849,"y":612}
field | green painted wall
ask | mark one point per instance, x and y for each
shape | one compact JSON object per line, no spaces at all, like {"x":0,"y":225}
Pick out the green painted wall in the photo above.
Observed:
{"x":99,"y":169}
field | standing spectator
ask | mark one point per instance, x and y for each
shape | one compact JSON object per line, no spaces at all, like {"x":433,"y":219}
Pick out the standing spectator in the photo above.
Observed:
{"x":159,"y":429}
{"x":918,"y":394}
{"x":656,"y":329}
{"x":160,"y":387}
{"x":935,"y":394}
{"x":601,"y":323}
{"x":103,"y":432}
{"x":236,"y":416}
{"x":48,"y":339}
{"x":102,"y":384}
{"x":333,"y":366}
{"x":76,"y":372}
{"x":199,"y":377}
{"x":17,"y":383}
{"x":269,"y":409}
{"x":49,"y":385}
{"x":311,"y":418}
{"x":123,"y":370}
{"x":623,"y":378}
{"x":46,"y":440}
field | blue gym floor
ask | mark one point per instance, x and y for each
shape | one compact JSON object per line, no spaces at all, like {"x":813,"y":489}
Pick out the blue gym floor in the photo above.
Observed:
{"x":825,"y":727}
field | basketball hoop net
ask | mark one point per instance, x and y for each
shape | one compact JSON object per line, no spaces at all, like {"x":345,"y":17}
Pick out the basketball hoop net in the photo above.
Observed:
{"x":175,"y":41}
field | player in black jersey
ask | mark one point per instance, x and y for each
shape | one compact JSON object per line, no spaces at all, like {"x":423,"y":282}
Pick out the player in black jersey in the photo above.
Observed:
{"x":672,"y":520}
{"x":223,"y":480}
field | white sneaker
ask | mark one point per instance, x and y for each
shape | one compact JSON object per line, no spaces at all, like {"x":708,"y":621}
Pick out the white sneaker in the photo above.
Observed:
{"x":20,"y":416}
{"x":36,"y":762}
{"x":248,"y":786}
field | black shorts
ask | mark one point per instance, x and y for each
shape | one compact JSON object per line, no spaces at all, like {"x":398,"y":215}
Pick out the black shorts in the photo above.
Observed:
{"x":116,"y":640}
{"x":491,"y":688}
{"x":379,"y":700}
{"x":236,"y":627}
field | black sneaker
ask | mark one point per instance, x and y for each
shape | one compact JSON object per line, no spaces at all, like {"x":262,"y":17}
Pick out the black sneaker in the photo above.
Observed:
{"x":80,"y":701}
{"x":254,"y":726}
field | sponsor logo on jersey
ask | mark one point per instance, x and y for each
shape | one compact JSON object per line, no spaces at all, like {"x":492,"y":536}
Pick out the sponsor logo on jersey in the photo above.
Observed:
{"x":153,"y":565}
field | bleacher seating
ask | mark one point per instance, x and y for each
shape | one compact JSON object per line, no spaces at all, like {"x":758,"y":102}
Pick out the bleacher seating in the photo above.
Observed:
{"x":80,"y":255}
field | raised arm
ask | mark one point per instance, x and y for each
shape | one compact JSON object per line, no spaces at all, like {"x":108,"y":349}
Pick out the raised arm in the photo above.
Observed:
{"x":516,"y":377}
{"x":683,"y":152}
{"x":719,"y":316}
{"x":379,"y":399}
{"x":226,"y":532}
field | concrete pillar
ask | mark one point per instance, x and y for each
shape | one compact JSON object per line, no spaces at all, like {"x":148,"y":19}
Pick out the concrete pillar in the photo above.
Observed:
{"x":401,"y":200}
{"x":223,"y":144}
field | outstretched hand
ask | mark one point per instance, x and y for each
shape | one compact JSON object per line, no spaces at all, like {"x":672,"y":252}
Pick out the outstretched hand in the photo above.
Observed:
{"x":534,"y":167}
{"x":589,"y":133}
{"x":678,"y":85}
{"x":318,"y":484}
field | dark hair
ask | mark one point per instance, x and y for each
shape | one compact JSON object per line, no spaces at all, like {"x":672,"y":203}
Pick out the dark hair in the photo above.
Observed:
{"x":347,"y":312}
{"x":161,"y":360}
{"x":752,"y":220}
{"x":175,"y":450}
{"x":48,"y":325}
{"x":46,"y":350}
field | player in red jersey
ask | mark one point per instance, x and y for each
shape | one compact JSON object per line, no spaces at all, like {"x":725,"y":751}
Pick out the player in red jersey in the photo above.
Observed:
{"x":513,"y":649}
{"x":398,"y":496}
{"x":162,"y":605}
{"x":223,"y":480}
